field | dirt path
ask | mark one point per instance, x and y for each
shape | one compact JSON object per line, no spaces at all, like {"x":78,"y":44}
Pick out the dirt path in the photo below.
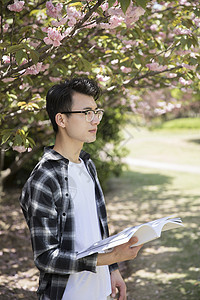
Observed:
{"x":166,"y":269}
{"x":18,"y":276}
{"x":162,"y":165}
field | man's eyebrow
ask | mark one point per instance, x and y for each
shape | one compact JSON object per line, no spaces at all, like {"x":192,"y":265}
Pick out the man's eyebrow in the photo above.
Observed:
{"x":85,"y":108}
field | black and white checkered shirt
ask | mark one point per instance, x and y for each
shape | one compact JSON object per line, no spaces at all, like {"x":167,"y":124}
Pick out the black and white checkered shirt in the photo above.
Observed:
{"x":49,"y":213}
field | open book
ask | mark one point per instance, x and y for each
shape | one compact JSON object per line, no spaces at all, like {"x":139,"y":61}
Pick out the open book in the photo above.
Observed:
{"x":145,"y":232}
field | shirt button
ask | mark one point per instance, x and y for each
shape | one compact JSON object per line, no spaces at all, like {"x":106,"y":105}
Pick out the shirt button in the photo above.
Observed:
{"x":64,"y":214}
{"x":66,"y":178}
{"x":67,"y":194}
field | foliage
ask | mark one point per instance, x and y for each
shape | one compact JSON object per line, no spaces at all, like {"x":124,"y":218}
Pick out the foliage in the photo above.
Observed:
{"x":128,"y":46}
{"x":183,"y":123}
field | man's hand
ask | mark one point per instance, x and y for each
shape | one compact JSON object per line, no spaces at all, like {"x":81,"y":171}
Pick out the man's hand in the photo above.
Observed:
{"x":120,"y":253}
{"x":118,"y":283}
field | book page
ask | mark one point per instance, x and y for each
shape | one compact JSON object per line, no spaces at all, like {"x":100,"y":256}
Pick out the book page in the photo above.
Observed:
{"x":145,"y":232}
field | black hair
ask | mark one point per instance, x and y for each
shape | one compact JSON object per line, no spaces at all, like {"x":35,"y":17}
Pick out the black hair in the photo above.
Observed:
{"x":59,"y":97}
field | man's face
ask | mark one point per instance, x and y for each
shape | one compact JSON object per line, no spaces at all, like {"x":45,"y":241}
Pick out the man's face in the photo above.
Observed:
{"x":77,"y":128}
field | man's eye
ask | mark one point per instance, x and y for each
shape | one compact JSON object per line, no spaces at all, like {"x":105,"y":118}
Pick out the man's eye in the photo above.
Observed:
{"x":89,"y":112}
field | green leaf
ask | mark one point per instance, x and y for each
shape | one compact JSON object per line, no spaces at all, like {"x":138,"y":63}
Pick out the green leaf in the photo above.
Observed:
{"x":86,"y":64}
{"x":6,"y":136}
{"x":124,"y":5}
{"x":35,"y":56}
{"x":111,"y":2}
{"x":74,"y":3}
{"x":4,"y":45}
{"x":19,"y":55}
{"x":18,"y":140}
{"x":25,"y":29}
{"x":142,"y":3}
{"x":15,"y":48}
{"x":187,"y":22}
{"x":31,"y":142}
{"x":39,"y":34}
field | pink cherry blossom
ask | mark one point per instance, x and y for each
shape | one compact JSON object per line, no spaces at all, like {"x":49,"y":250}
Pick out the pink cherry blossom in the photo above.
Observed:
{"x":125,"y":69}
{"x":114,"y":22}
{"x":23,"y":86}
{"x":102,"y":78}
{"x":189,"y":67}
{"x":154,"y":27}
{"x":10,"y":79}
{"x":182,"y":31}
{"x":104,"y":6}
{"x":54,"y":37}
{"x":184,"y":82}
{"x":19,"y":149}
{"x":152,"y":51}
{"x":17,"y":6}
{"x":115,"y":11}
{"x":114,"y":61}
{"x":62,"y":21}
{"x":5,"y":27}
{"x":54,"y":11}
{"x":171,"y":75}
{"x":73,"y":15}
{"x":133,"y":14}
{"x":6,"y":59}
{"x":34,"y":70}
{"x":54,"y":79}
{"x":184,"y":2}
{"x":197,"y":22}
{"x":72,"y":21}
{"x":156,"y":67}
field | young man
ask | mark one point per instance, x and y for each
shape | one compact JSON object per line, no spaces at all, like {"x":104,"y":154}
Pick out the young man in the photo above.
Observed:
{"x":64,"y":207}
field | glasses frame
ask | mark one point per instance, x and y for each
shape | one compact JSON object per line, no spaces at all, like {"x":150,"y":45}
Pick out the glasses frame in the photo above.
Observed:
{"x":100,"y":116}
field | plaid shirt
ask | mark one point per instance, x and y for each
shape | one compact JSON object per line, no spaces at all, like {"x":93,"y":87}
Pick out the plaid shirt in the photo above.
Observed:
{"x":49,"y":213}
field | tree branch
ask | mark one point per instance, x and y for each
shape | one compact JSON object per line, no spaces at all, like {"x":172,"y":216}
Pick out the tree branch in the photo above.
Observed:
{"x":18,"y":163}
{"x":48,"y":49}
{"x":149,"y":74}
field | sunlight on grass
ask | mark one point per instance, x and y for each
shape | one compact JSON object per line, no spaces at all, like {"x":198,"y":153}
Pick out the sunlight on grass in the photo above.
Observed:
{"x":166,"y":268}
{"x":161,"y":249}
{"x":159,"y":275}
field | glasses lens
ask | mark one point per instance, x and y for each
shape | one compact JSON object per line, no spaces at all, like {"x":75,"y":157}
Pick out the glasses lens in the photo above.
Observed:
{"x":100,"y":114}
{"x":89,"y":115}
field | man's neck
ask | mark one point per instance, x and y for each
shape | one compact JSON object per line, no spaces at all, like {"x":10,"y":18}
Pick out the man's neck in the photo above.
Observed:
{"x":68,"y":148}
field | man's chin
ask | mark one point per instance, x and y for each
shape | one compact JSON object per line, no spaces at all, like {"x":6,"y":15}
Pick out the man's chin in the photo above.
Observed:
{"x":91,"y":140}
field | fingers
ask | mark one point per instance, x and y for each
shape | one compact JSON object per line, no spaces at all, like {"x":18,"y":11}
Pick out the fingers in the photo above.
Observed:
{"x":133,"y":240}
{"x":113,"y":291}
{"x":122,"y":293}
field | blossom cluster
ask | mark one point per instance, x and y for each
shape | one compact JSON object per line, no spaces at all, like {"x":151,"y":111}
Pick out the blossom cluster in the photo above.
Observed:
{"x":154,"y":66}
{"x":17,"y":6}
{"x":35,"y":69}
{"x":54,"y":37}
{"x":54,"y":11}
{"x":117,"y":16}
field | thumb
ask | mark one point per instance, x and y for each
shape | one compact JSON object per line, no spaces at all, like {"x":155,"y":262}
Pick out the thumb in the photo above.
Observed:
{"x":133,"y":240}
{"x":113,"y":292}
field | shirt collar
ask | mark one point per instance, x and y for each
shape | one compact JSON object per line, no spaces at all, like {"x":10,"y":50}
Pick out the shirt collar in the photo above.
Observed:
{"x":50,"y":154}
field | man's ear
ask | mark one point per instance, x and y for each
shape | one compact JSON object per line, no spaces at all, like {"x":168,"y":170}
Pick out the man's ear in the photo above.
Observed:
{"x":60,"y":120}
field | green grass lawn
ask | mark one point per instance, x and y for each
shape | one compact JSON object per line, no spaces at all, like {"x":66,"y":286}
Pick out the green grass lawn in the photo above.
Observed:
{"x":175,"y":146}
{"x":169,"y":267}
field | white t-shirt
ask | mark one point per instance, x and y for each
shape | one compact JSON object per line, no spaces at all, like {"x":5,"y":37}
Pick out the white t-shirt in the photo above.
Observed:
{"x":84,"y":285}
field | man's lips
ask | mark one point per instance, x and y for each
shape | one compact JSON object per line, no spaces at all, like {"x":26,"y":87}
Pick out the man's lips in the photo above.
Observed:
{"x":93,"y":130}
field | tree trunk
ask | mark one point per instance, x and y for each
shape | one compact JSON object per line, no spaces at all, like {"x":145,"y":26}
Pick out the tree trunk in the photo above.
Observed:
{"x":20,"y":160}
{"x":2,"y":155}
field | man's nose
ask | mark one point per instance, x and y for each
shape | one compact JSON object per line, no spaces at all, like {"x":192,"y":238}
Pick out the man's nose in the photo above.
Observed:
{"x":96,"y":119}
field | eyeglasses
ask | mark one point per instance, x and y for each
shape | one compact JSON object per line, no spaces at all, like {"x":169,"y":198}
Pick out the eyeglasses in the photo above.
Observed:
{"x":89,"y":114}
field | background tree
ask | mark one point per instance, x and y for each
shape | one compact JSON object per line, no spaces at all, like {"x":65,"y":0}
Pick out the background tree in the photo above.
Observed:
{"x":130,"y":47}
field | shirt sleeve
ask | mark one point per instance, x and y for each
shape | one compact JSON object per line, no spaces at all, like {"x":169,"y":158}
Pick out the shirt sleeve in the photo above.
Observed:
{"x":38,"y":205}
